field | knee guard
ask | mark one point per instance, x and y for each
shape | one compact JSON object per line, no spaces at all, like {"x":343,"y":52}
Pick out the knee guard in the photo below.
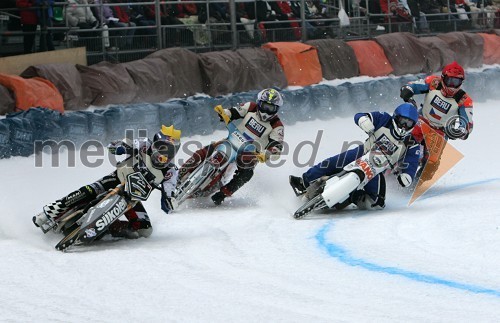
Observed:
{"x":240,"y":178}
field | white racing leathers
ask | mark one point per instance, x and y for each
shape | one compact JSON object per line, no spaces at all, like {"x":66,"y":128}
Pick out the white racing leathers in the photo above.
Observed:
{"x":268,"y":135}
{"x":141,"y":161}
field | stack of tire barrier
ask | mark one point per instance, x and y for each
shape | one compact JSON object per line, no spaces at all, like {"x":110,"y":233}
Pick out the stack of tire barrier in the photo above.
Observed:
{"x":184,"y":75}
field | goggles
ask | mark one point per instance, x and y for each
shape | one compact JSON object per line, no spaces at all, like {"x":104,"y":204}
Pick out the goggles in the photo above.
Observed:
{"x":268,"y":108}
{"x":159,"y":158}
{"x":404,"y":123}
{"x":453,"y":82}
{"x":162,"y":152}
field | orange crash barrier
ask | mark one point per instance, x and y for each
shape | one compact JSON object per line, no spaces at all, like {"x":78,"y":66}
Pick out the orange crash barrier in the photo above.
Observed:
{"x":300,"y":62}
{"x":371,"y":58}
{"x":34,"y":92}
{"x":491,"y":48}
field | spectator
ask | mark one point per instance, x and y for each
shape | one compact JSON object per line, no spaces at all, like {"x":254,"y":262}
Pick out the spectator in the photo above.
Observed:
{"x":373,"y":10}
{"x":475,"y":10}
{"x":33,"y":13}
{"x":489,"y":17}
{"x":104,"y":13}
{"x":141,"y":16}
{"x":168,"y":16}
{"x":108,"y":18}
{"x":461,"y":9}
{"x":243,"y":17}
{"x":122,"y":14}
{"x":217,"y":14}
{"x":317,"y":11}
{"x":271,"y":11}
{"x":45,"y":15}
{"x":310,"y":26}
{"x":29,"y":21}
{"x":187,"y":13}
{"x":78,"y":14}
{"x":398,"y":13}
{"x":419,"y":18}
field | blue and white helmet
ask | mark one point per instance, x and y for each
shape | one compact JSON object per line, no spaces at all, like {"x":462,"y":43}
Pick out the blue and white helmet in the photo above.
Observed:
{"x":269,"y":102}
{"x":405,"y":117}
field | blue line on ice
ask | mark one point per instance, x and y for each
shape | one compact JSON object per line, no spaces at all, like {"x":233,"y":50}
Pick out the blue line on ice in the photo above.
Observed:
{"x":457,"y":187}
{"x":343,"y":255}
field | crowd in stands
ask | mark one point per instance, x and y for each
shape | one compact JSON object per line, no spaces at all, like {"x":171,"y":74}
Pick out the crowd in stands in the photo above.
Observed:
{"x":186,"y":23}
{"x":422,"y":13}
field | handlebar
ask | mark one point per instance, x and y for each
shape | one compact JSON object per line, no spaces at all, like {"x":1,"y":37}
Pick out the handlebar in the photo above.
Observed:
{"x":412,"y":101}
{"x":220,"y":110}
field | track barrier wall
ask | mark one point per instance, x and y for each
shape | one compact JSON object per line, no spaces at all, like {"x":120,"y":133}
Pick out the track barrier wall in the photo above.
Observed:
{"x":183,"y":75}
{"x":195,"y":115}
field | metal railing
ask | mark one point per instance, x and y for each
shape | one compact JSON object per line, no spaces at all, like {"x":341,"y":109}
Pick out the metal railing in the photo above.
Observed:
{"x":118,"y":43}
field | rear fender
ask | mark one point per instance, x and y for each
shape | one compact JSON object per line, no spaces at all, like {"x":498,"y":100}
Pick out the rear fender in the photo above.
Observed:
{"x":98,"y":219}
{"x":337,"y":189}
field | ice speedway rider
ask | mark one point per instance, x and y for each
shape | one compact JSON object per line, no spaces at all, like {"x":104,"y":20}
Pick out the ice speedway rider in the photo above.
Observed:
{"x":154,"y":159}
{"x":446,"y":109}
{"x":260,"y":122}
{"x":393,"y":135}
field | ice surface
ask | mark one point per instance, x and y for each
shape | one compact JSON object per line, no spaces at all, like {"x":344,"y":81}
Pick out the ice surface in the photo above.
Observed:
{"x":250,"y":261}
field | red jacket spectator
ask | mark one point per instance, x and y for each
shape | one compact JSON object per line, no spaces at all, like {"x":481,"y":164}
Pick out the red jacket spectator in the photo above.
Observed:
{"x":122,"y":14}
{"x":187,"y":9}
{"x":399,"y":12}
{"x":28,"y":17}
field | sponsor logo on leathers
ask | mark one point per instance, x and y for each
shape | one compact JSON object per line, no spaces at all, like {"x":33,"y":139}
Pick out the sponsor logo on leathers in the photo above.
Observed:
{"x":75,"y":197}
{"x":386,"y":145}
{"x":255,"y":127}
{"x":440,"y":105}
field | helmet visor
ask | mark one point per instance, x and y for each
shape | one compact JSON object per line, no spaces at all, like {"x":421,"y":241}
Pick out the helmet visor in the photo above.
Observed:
{"x":453,"y":82}
{"x":162,"y":152}
{"x":268,"y":108}
{"x":404,"y":123}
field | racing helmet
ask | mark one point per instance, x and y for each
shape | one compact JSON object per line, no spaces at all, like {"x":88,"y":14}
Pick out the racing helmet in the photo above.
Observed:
{"x":269,"y":102}
{"x":165,"y":145}
{"x":405,"y":117}
{"x":451,"y":79}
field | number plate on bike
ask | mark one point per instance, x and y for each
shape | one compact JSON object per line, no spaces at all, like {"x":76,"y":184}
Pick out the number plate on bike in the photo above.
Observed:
{"x":138,"y":187}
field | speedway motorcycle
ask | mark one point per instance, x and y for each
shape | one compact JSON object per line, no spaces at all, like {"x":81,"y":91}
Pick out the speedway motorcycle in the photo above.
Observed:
{"x":205,"y":179}
{"x":85,"y":224}
{"x":331,"y":191}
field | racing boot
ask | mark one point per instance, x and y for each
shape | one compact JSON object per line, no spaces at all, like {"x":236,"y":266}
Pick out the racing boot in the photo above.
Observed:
{"x":46,"y":219}
{"x":218,"y":198}
{"x":241,"y":176}
{"x":139,"y":221}
{"x":297,"y":184}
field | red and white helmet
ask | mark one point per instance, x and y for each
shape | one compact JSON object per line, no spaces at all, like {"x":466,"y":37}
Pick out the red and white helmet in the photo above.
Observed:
{"x":451,"y":79}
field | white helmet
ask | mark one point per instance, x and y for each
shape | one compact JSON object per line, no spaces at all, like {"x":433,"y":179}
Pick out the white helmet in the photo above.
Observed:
{"x":269,"y":102}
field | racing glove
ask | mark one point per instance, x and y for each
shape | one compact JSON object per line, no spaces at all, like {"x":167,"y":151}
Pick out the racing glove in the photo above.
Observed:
{"x":366,"y":124}
{"x":273,"y":153}
{"x":406,"y":93}
{"x":167,"y":203}
{"x":404,"y":179}
{"x":118,"y":148}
